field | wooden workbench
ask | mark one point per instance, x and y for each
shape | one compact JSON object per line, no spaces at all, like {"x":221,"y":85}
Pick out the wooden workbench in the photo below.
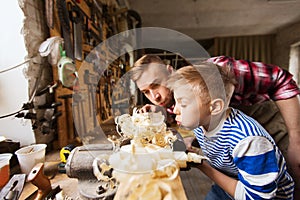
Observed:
{"x":191,"y":184}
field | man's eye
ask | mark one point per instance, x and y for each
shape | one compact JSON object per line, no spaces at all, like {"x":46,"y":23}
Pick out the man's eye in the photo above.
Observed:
{"x":146,"y":92}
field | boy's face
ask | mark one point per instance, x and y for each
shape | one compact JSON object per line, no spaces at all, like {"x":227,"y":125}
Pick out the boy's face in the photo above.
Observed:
{"x":189,"y":109}
{"x":153,"y":84}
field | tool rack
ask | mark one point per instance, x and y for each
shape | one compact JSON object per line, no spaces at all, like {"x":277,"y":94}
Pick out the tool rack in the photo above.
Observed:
{"x":92,"y":102}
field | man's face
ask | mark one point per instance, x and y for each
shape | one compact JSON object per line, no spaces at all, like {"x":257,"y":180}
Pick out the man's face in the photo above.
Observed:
{"x":153,"y":84}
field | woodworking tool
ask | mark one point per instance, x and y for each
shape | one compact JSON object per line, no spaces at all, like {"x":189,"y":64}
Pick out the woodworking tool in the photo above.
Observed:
{"x":37,"y":178}
{"x":13,"y":189}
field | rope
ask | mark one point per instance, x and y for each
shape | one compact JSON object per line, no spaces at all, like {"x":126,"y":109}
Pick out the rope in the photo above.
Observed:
{"x":34,"y":90}
{"x":8,"y":115}
{"x":11,"y":68}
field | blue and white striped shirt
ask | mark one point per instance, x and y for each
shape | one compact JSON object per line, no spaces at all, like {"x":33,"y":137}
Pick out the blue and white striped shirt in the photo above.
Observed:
{"x":243,"y":149}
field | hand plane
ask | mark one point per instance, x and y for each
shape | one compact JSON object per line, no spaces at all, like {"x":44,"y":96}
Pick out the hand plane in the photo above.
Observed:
{"x":13,"y":189}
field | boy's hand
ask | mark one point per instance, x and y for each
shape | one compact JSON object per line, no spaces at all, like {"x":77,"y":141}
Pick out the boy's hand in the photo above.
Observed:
{"x":194,"y":165}
{"x":190,"y":147}
{"x":194,"y":160}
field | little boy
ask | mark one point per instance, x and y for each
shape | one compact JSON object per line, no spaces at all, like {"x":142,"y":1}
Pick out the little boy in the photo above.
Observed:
{"x":244,"y":161}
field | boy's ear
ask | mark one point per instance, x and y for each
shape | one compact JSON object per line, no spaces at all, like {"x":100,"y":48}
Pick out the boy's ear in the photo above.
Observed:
{"x":170,"y":69}
{"x":216,"y":106}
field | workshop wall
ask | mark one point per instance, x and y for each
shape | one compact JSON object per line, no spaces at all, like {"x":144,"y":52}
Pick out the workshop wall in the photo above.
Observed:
{"x":285,"y":37}
{"x":49,"y":103}
{"x":26,"y":87}
{"x":39,"y":72}
{"x":13,"y":83}
{"x":98,"y":92}
{"x":48,"y":106}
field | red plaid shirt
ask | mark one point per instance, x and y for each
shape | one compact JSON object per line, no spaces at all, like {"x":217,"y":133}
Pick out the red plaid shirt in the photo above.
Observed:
{"x":258,"y":82}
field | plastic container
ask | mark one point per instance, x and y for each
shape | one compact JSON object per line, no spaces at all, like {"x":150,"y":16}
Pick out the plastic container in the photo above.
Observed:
{"x":4,"y":168}
{"x":29,"y":156}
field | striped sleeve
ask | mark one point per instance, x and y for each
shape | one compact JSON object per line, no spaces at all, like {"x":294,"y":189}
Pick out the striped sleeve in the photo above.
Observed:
{"x":258,"y":168}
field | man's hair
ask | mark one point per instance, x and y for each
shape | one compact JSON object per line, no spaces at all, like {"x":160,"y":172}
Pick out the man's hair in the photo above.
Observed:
{"x":204,"y":81}
{"x":147,"y":59}
{"x":142,"y":64}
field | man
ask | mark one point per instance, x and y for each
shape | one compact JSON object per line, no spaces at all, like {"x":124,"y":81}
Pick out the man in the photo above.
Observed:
{"x":257,"y":83}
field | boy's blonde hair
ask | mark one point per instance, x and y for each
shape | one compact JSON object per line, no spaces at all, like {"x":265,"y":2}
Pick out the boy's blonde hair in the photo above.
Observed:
{"x":206,"y":80}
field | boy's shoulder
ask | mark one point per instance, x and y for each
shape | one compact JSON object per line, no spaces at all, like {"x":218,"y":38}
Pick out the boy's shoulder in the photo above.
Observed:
{"x":244,"y":125}
{"x":237,"y":119}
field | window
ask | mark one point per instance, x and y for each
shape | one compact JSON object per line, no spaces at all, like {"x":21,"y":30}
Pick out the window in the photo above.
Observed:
{"x":294,"y":64}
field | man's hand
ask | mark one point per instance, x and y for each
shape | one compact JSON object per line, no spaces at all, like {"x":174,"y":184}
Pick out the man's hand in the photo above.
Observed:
{"x":293,"y":160}
{"x":152,"y":108}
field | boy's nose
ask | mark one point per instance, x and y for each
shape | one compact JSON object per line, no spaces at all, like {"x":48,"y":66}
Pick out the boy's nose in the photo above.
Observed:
{"x":154,"y":94}
{"x":176,"y":111}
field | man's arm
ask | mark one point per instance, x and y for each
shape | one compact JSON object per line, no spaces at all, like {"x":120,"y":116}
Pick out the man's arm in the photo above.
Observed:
{"x":290,"y":111}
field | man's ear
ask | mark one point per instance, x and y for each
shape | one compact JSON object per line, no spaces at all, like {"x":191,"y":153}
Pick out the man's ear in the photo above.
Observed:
{"x":216,"y":106}
{"x":170,"y":69}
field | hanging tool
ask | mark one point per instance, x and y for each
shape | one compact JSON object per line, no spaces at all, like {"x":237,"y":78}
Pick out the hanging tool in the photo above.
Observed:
{"x":87,"y":82}
{"x":92,"y":28}
{"x":81,"y":124}
{"x":49,"y":124}
{"x":77,"y":117}
{"x":54,"y":118}
{"x":49,"y":13}
{"x":49,"y":88}
{"x":91,"y":81}
{"x":69,"y":114}
{"x":52,"y":105}
{"x":64,"y":19}
{"x":76,"y":17}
